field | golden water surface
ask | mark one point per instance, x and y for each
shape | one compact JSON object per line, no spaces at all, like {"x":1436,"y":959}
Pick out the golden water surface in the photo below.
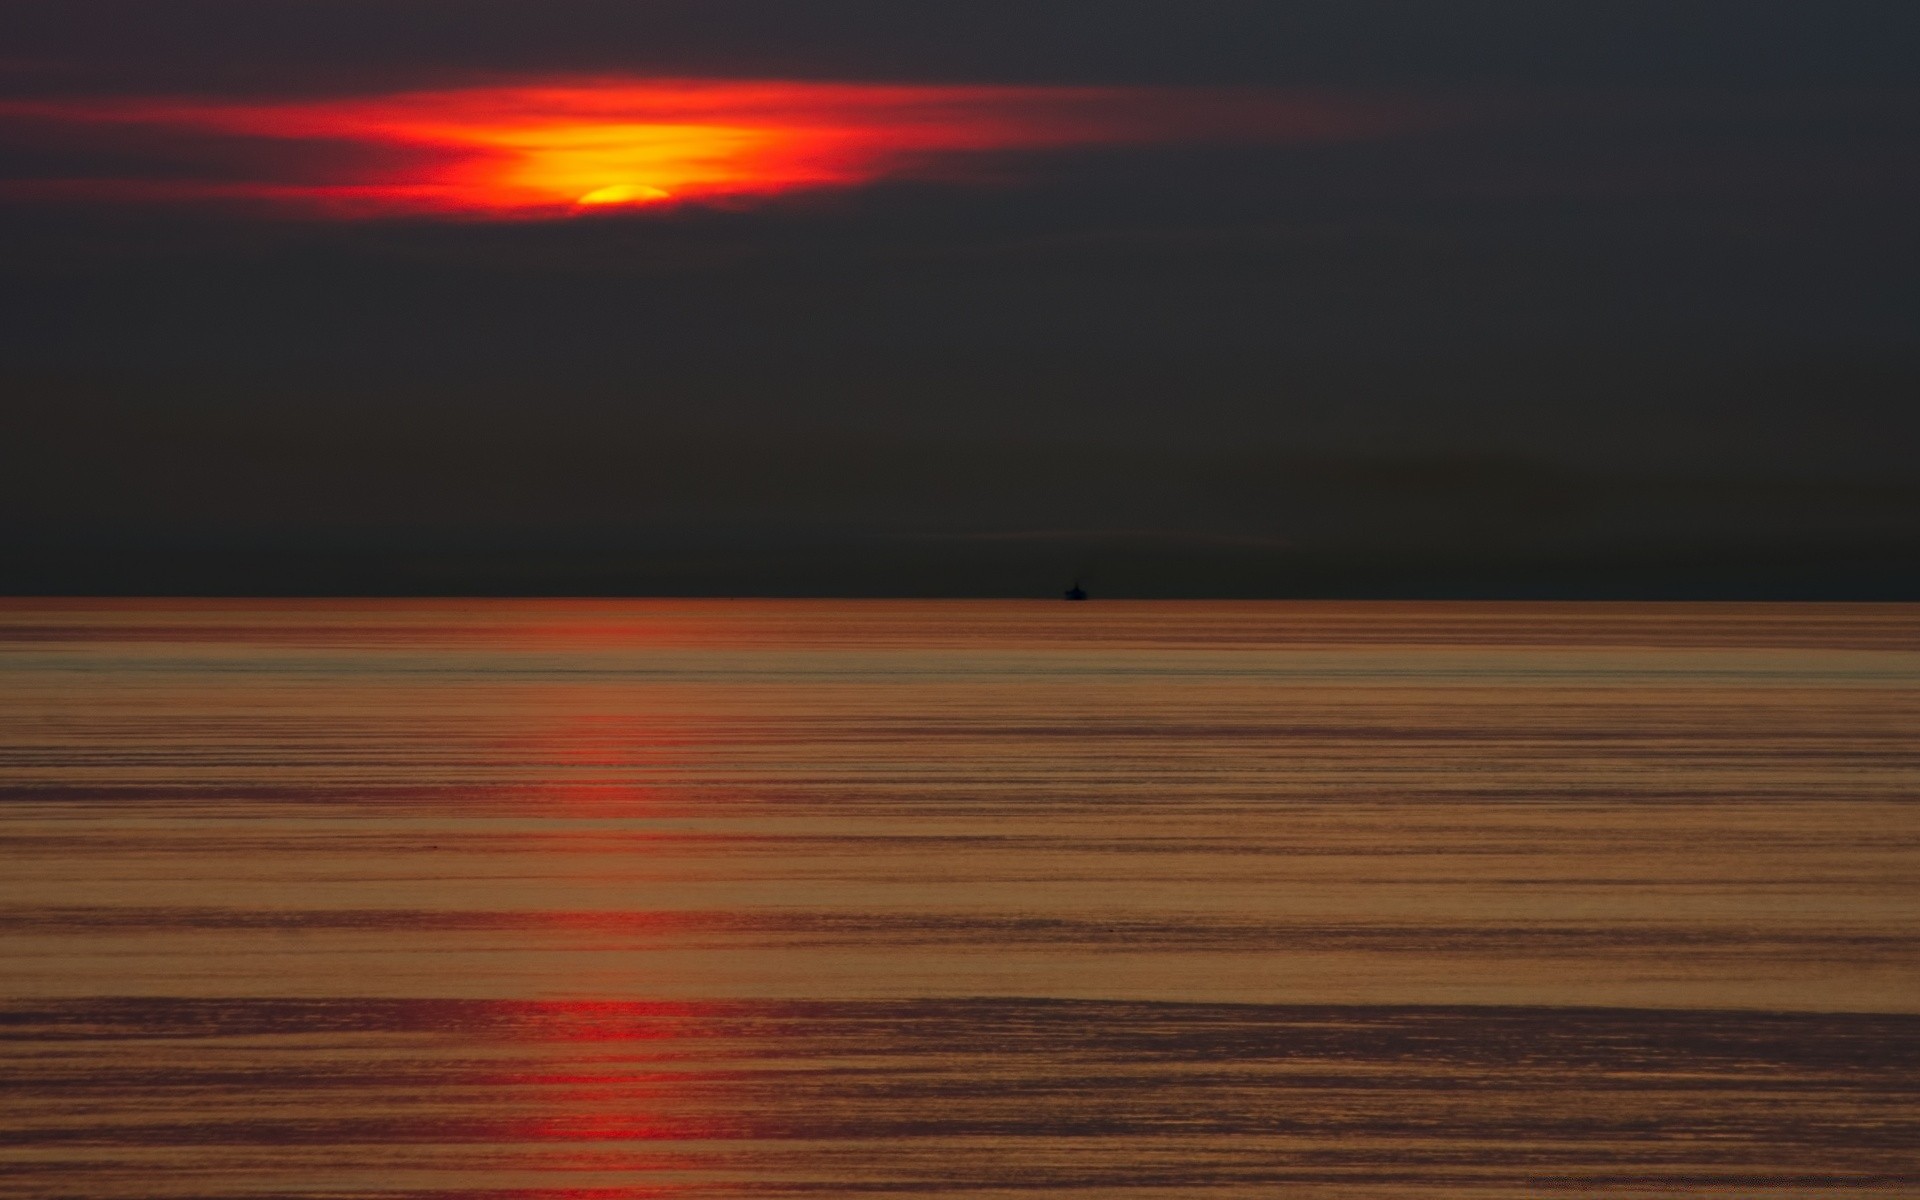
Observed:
{"x":744,"y":898}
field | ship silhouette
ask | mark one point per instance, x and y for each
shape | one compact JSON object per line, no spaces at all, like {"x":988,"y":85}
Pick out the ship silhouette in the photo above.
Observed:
{"x":1076,"y":592}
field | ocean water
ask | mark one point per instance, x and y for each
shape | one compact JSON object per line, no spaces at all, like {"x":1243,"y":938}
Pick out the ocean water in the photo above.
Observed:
{"x":889,"y":899}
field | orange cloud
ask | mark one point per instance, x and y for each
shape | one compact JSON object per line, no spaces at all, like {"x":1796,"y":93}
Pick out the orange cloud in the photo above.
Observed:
{"x":555,"y":148}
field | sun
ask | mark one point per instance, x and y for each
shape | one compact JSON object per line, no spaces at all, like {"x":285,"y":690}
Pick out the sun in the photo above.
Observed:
{"x":623,"y":194}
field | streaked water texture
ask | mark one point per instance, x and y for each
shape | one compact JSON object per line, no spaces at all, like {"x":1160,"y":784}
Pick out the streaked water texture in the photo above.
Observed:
{"x":716,"y":898}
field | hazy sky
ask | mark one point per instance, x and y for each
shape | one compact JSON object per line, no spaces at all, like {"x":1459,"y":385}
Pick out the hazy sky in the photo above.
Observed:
{"x":1189,"y":297}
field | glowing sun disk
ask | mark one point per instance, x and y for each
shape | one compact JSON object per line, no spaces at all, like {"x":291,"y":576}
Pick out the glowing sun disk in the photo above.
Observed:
{"x":625,"y":193}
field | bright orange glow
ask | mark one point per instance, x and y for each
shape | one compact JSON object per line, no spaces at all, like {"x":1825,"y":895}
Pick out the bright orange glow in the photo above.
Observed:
{"x":626,"y":193}
{"x":556,"y":148}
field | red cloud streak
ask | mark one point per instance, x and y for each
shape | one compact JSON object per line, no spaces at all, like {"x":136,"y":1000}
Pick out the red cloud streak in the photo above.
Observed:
{"x":546,"y":148}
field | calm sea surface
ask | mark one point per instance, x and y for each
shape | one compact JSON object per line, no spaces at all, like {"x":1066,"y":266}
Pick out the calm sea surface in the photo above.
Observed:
{"x":743,"y":898}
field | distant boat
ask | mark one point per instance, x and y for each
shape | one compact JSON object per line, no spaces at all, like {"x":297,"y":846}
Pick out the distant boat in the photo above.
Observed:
{"x":1076,"y":592}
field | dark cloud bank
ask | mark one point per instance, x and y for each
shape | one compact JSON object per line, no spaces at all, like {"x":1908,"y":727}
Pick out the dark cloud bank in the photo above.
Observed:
{"x":1635,"y":319}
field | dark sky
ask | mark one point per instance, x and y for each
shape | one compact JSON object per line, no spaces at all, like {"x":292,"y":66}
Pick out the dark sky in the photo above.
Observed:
{"x":1620,"y":300}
